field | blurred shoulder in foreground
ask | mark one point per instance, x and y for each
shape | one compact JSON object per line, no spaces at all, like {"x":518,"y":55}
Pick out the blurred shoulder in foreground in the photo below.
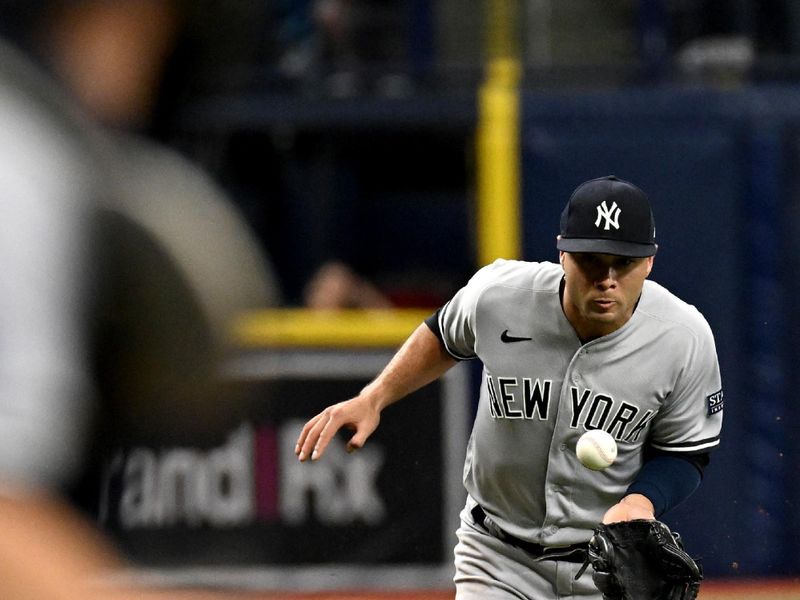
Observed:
{"x":178,"y":265}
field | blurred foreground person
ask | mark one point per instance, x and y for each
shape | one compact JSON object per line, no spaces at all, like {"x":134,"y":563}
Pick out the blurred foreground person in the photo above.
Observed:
{"x":46,"y":188}
{"x":114,"y":301}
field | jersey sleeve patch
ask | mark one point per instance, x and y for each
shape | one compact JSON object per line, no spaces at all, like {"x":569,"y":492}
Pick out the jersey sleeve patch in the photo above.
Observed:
{"x":714,"y":403}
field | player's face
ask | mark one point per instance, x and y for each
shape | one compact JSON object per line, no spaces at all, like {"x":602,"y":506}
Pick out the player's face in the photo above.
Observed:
{"x":601,"y":290}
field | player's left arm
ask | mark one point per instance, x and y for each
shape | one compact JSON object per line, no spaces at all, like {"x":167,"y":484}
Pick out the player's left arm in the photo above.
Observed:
{"x":683,"y":435}
{"x":664,"y":481}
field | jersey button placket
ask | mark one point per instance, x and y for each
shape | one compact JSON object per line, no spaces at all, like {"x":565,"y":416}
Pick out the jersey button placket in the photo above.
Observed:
{"x":575,"y":378}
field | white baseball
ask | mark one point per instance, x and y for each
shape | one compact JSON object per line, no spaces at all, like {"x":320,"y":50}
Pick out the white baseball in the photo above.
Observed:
{"x":596,"y":449}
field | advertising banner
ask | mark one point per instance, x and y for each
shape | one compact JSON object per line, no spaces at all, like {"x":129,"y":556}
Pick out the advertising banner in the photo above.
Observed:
{"x":242,"y":506}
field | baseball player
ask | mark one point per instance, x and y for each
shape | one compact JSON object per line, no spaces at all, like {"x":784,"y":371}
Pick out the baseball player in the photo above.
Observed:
{"x":585,"y":344}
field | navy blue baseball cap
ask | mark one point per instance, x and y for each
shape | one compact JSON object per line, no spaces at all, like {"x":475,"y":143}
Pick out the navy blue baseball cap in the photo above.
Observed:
{"x":608,"y":216}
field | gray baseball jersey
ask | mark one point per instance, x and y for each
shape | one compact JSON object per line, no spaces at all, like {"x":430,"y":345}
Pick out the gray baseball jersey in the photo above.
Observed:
{"x":654,"y":381}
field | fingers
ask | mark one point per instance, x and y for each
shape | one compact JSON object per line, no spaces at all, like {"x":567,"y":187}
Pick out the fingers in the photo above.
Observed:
{"x":358,"y":440}
{"x":319,"y":431}
{"x":309,"y":436}
{"x":327,"y":429}
{"x":353,"y":445}
{"x":629,"y":509}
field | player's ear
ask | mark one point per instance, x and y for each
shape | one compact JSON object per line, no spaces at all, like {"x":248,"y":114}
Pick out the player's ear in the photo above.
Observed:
{"x":650,"y":260}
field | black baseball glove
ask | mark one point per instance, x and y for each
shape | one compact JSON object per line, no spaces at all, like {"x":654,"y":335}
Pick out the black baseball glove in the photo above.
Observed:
{"x":641,"y":560}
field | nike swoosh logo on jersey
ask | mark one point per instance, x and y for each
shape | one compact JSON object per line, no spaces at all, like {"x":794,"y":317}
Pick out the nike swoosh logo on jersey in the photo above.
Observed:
{"x":505,"y":338}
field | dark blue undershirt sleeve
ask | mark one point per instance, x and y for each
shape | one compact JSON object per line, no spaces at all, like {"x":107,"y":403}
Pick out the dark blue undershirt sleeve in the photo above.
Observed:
{"x":433,"y":324}
{"x":667,"y":480}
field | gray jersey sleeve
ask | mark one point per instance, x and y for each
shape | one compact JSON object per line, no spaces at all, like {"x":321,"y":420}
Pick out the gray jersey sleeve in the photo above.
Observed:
{"x":457,"y":318}
{"x":44,"y":389}
{"x":691,"y":419}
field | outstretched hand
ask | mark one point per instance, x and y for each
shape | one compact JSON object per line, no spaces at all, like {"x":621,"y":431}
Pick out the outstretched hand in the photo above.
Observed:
{"x":357,"y":414}
{"x":420,"y":360}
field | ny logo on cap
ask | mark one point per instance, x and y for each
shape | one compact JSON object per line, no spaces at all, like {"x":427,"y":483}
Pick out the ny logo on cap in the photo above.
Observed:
{"x":611,"y":215}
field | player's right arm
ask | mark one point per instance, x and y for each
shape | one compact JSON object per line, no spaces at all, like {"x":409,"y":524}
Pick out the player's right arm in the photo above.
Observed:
{"x":419,"y":361}
{"x":434,"y":347}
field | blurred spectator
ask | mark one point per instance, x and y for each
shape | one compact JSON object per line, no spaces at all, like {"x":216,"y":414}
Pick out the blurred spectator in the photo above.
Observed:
{"x":335,"y":285}
{"x":295,"y":38}
{"x":343,"y":47}
{"x":577,"y":33}
{"x":734,"y":39}
{"x":765,"y":23}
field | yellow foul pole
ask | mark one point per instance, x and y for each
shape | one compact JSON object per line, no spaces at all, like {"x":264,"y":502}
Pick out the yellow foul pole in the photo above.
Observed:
{"x":498,"y":139}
